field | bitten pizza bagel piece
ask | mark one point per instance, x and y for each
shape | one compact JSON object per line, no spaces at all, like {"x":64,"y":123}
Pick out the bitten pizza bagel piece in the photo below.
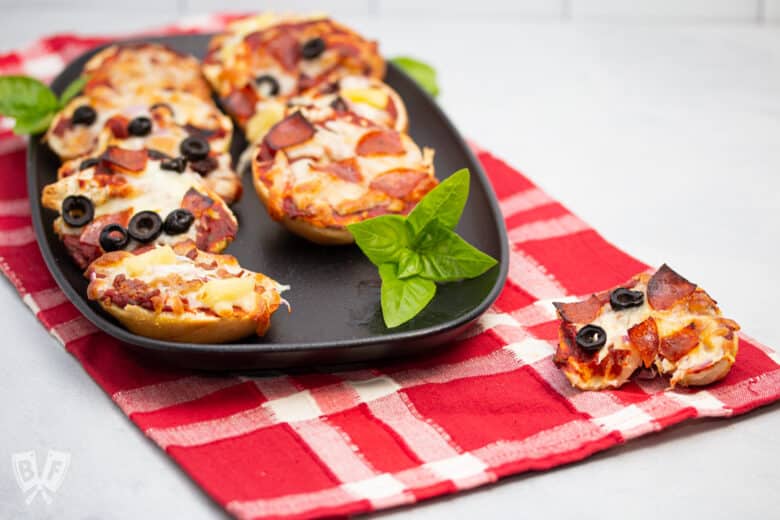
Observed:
{"x":269,"y":57}
{"x":180,"y":293}
{"x":661,"y":322}
{"x":143,"y":68}
{"x":317,"y":176}
{"x":132,"y":198}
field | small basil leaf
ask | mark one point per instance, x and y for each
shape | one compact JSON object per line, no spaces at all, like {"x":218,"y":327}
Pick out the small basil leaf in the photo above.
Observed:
{"x":381,"y":238}
{"x":32,"y":126}
{"x":402,"y":300}
{"x":25,"y":98}
{"x":446,"y":257}
{"x":445,"y":203}
{"x":72,"y":90}
{"x":409,"y":264}
{"x":420,"y":72}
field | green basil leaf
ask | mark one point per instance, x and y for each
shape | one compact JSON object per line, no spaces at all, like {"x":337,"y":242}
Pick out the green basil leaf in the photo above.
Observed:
{"x":409,"y":264}
{"x":402,"y":300}
{"x":421,"y":72}
{"x":446,"y":257}
{"x":26,"y":98}
{"x":445,"y":203}
{"x":381,"y":238}
{"x":73,"y":90}
{"x":34,"y":125}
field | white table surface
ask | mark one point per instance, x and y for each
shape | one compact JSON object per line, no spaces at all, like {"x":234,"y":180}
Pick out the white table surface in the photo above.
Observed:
{"x":665,"y":138}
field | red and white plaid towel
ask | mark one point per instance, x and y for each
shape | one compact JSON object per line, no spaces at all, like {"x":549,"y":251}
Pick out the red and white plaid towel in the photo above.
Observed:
{"x":294,"y":446}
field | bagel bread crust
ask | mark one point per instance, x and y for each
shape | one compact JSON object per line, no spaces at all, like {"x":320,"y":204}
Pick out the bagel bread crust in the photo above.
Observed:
{"x":677,"y":331}
{"x":168,"y":314}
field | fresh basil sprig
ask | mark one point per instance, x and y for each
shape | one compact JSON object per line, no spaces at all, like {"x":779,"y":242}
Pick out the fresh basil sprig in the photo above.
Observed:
{"x":415,"y":252}
{"x":33,"y":104}
{"x":421,"y":72}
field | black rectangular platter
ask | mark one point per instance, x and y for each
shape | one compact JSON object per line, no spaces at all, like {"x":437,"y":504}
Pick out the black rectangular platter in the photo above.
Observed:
{"x":336,"y":317}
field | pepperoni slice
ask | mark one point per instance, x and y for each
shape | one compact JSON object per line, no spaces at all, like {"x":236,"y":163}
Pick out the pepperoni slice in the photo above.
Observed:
{"x":380,"y":142}
{"x":62,"y":125}
{"x":285,"y":49}
{"x":680,"y":343}
{"x":644,"y":336}
{"x":91,"y":233}
{"x":196,"y":202}
{"x":580,"y":312}
{"x":130,"y":160}
{"x":346,"y":169}
{"x":118,"y":126}
{"x":399,"y":184}
{"x":292,"y":130}
{"x":83,"y":254}
{"x":241,"y":103}
{"x":666,"y":288}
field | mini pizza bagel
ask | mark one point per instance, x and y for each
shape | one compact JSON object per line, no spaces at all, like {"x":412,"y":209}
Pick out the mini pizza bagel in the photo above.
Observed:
{"x":180,"y":293}
{"x":318,"y":176}
{"x":144,"y":68}
{"x":276,"y":57}
{"x":131,"y":198}
{"x":662,"y":322}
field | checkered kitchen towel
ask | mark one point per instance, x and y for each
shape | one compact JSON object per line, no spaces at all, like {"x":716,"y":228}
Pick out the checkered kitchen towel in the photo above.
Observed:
{"x":296,"y":446}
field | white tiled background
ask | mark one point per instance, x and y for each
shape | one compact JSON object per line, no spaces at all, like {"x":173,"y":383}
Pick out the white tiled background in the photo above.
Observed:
{"x":129,"y":15}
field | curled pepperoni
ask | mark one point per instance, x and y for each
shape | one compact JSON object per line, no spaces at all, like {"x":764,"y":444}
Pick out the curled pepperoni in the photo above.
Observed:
{"x":241,"y":103}
{"x":399,"y":184}
{"x":580,"y":312}
{"x":292,"y":130}
{"x":644,"y":336}
{"x":285,"y":49}
{"x":346,"y":169}
{"x":91,"y":233}
{"x":215,"y":226}
{"x":666,"y":288}
{"x":130,"y":160}
{"x":83,"y":254}
{"x":196,"y":202}
{"x":62,"y":125}
{"x":118,"y":126}
{"x":680,"y":343}
{"x":380,"y":142}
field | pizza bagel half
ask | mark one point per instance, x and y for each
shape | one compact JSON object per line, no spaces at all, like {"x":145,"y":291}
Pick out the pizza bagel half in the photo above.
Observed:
{"x":180,"y":293}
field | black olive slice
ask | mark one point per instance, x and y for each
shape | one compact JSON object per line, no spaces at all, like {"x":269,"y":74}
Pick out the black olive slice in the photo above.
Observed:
{"x":83,"y":115}
{"x":113,"y":237}
{"x":88,"y":163}
{"x":140,"y":126}
{"x":194,"y":148}
{"x":156,"y":155}
{"x":145,"y":226}
{"x":205,"y":166}
{"x":591,"y":338}
{"x":313,"y":48}
{"x":622,"y":298}
{"x":176,"y":164}
{"x":267,"y":85}
{"x":77,"y":210}
{"x":178,"y":221}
